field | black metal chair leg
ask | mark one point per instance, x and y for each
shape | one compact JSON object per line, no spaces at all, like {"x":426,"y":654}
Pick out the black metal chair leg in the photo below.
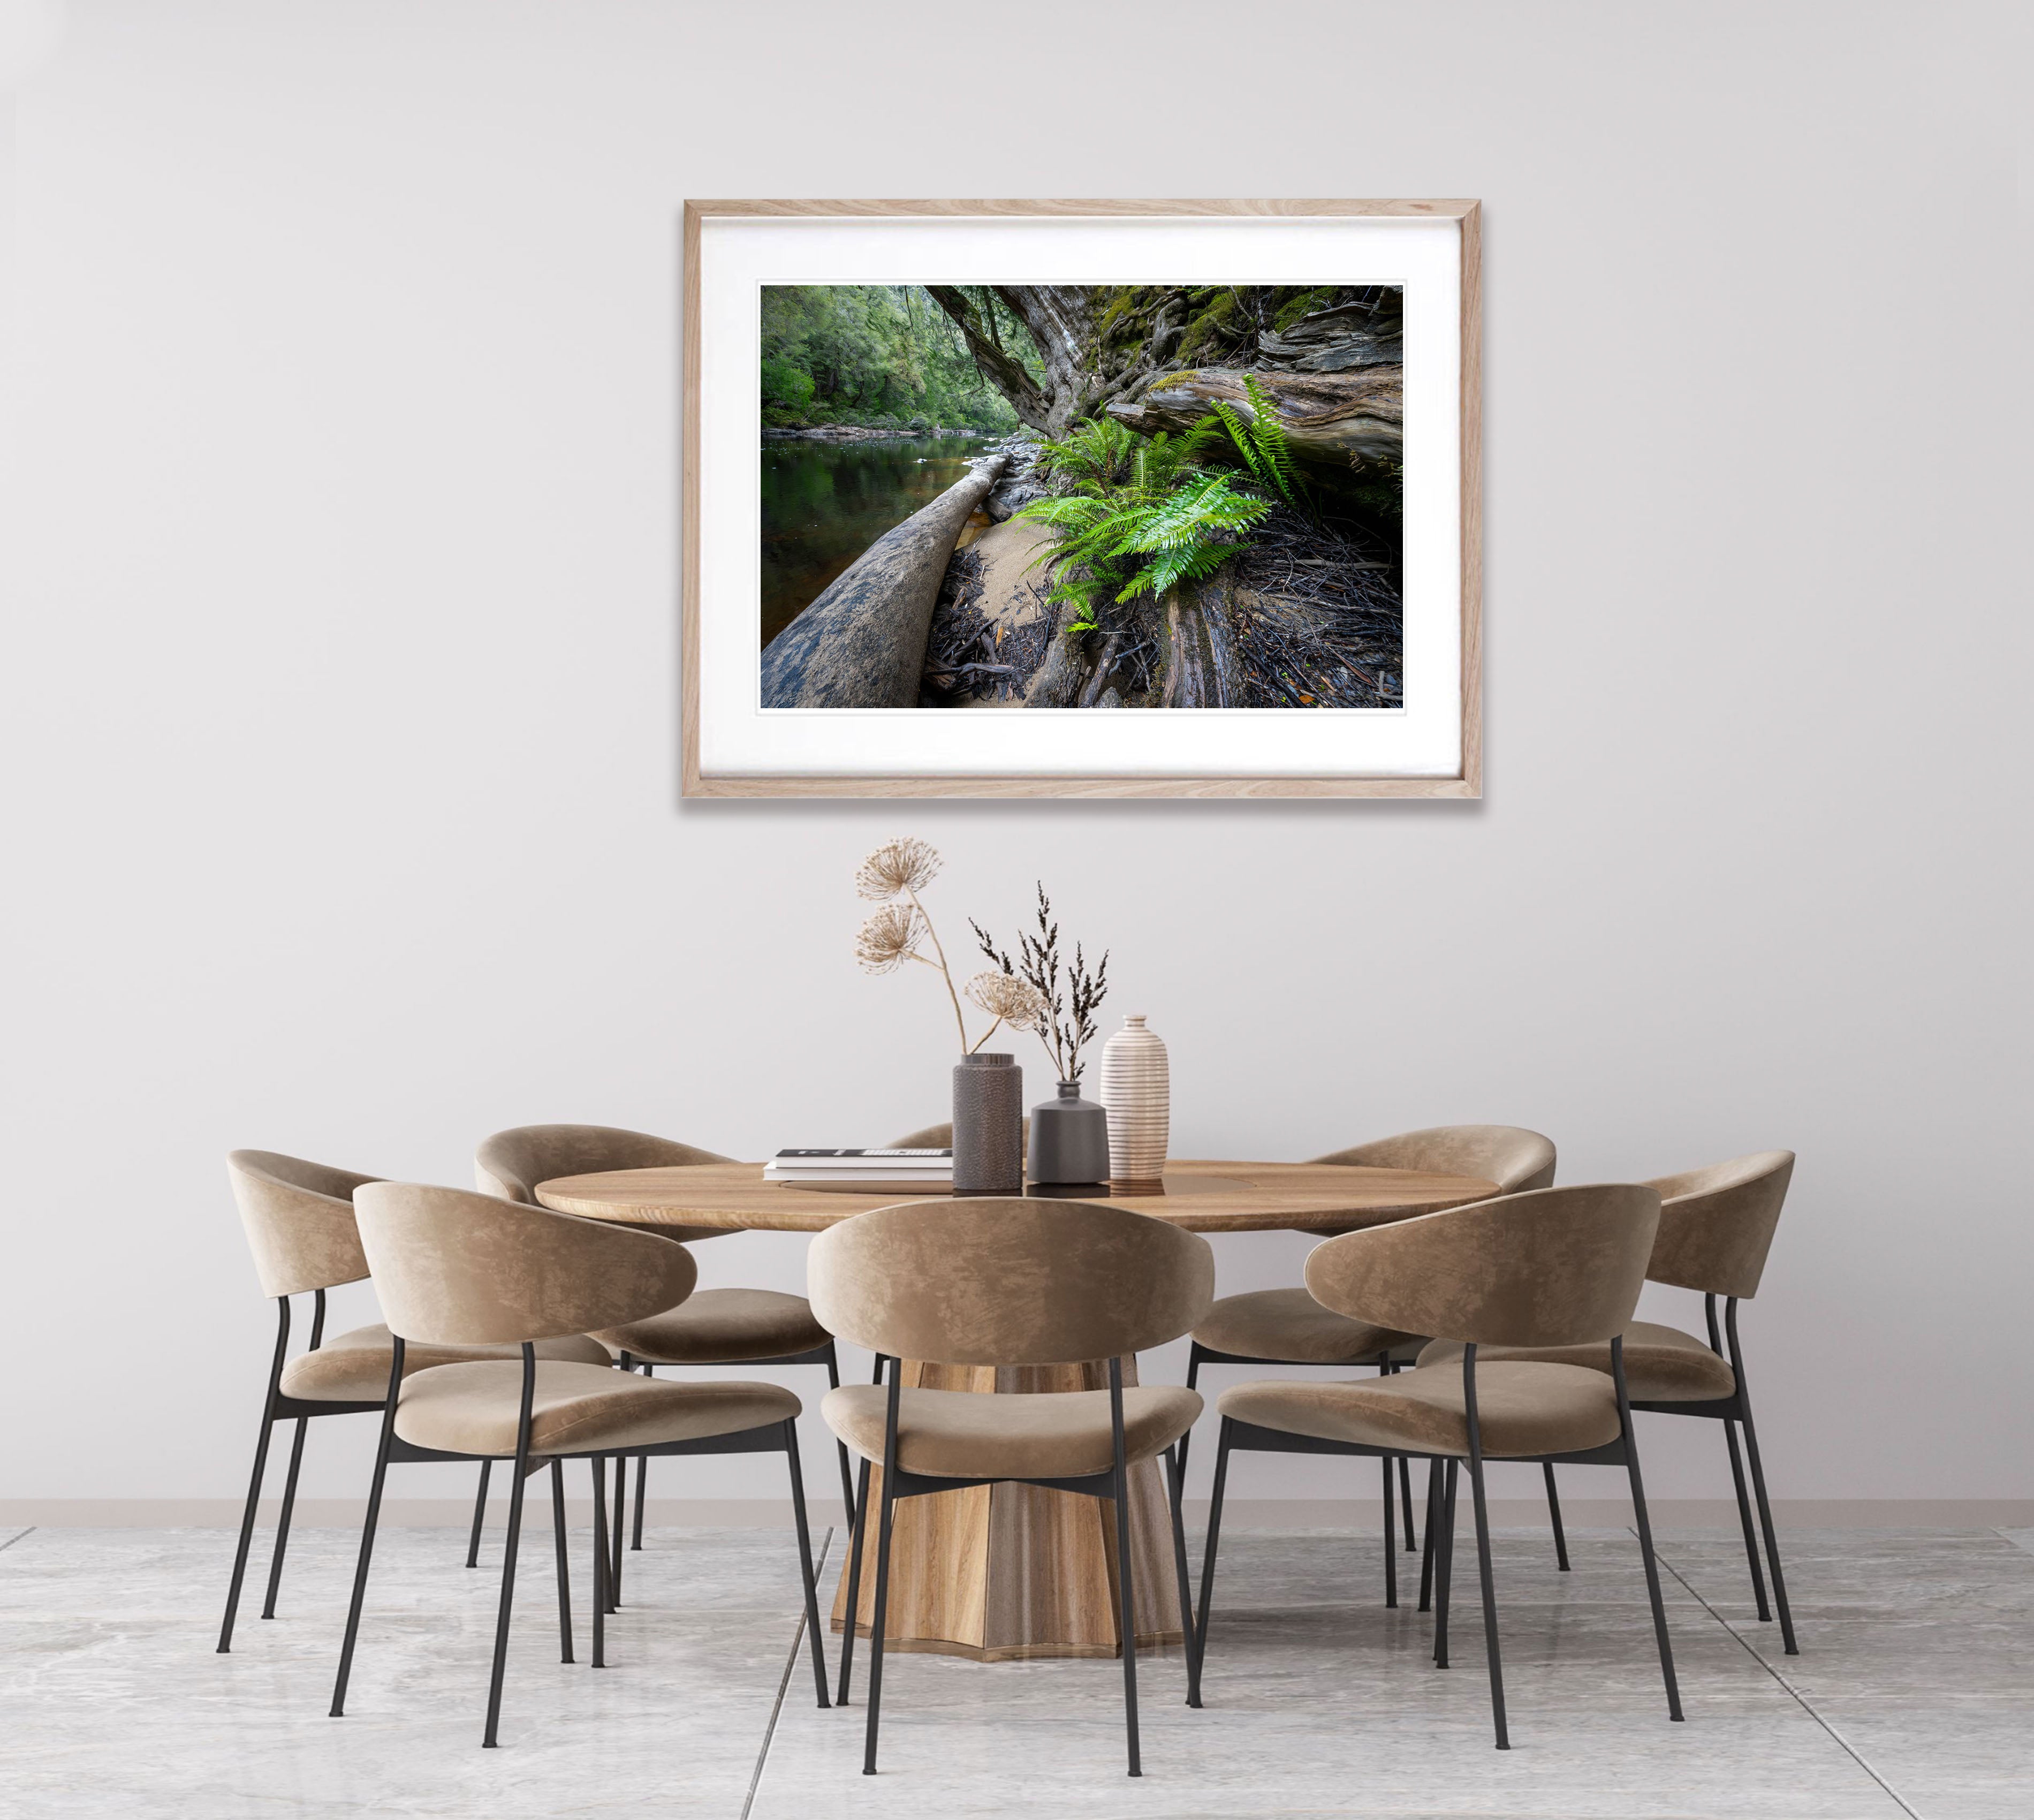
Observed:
{"x":1427,"y":1540}
{"x":563,"y":1560}
{"x":861,"y":1526}
{"x":513,"y":1536}
{"x":510,"y":1541}
{"x":1213,"y":1540}
{"x":805,"y":1558}
{"x":600,"y":1607}
{"x":1177,"y":1501}
{"x":1391,"y":1541}
{"x":1486,"y":1575}
{"x":1193,"y":1383}
{"x":881,"y":1617}
{"x":1444,"y":1566}
{"x":642,"y":1483}
{"x":1772,"y":1539}
{"x":1644,"y":1531}
{"x":840,"y":1446}
{"x":479,"y":1515}
{"x":1554,"y":1516}
{"x":1745,"y":1523}
{"x":1758,"y":1481}
{"x":614,"y":1546}
{"x":1405,"y":1503}
{"x":1126,"y":1620}
{"x":367,"y":1534}
{"x":283,"y":1520}
{"x":254,"y":1484}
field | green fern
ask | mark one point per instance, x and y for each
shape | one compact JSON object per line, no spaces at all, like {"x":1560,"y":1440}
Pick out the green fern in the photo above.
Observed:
{"x":1099,"y":452}
{"x":1260,"y":442}
{"x":1142,"y":540}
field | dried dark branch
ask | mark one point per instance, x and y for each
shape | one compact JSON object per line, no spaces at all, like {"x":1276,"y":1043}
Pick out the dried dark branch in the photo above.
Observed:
{"x":1068,"y":1031}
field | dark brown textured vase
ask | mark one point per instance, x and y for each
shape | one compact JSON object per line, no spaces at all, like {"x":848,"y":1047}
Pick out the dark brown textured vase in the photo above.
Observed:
{"x":988,"y":1126}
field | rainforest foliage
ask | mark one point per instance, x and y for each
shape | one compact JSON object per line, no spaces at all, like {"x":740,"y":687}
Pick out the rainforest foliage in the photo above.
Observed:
{"x":1139,"y":516}
{"x":884,"y":356}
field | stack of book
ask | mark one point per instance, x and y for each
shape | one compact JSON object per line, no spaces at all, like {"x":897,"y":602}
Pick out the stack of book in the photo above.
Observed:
{"x":932,"y":1170}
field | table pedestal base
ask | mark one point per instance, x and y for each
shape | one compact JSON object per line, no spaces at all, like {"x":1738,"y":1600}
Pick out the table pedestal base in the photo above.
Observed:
{"x":1004,"y":1573}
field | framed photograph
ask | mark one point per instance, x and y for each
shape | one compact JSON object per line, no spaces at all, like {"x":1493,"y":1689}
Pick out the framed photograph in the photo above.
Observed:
{"x":1081,"y":498}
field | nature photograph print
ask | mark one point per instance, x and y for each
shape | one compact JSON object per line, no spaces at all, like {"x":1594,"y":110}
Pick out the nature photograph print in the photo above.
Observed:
{"x":1017,"y":496}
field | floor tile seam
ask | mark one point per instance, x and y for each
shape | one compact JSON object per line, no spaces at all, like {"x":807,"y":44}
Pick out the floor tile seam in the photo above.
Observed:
{"x":1794,"y":1693}
{"x":784,"y":1682}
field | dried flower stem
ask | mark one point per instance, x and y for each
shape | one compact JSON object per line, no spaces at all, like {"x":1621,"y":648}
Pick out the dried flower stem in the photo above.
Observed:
{"x":945,"y":973}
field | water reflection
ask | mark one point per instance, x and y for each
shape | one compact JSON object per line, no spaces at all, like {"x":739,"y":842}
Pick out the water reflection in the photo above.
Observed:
{"x":824,"y":503}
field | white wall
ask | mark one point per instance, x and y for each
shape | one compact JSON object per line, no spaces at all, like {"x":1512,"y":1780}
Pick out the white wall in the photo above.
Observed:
{"x":340,"y":702}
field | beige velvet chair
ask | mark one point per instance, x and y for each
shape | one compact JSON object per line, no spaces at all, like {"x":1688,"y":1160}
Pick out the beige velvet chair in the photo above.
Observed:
{"x":300,"y":1227}
{"x":1553,"y":1267}
{"x":1007,"y":1282}
{"x":710,"y":1327}
{"x":457,"y":1269}
{"x":1289,"y":1327}
{"x":1716,"y":1228}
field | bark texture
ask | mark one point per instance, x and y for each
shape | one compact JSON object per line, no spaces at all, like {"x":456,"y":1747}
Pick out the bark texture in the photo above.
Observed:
{"x":863,"y":643}
{"x":1343,"y":418}
{"x":1201,"y":664}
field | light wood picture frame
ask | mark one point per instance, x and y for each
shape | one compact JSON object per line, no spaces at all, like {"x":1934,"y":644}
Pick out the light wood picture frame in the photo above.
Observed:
{"x":738,"y":740}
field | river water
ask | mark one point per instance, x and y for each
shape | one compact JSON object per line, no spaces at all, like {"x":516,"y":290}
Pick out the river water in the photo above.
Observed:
{"x":824,"y":503}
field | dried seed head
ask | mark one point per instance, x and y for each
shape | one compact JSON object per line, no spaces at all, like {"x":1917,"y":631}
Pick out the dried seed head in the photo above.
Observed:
{"x":895,"y":866}
{"x":889,"y":938}
{"x":1019,"y":1003}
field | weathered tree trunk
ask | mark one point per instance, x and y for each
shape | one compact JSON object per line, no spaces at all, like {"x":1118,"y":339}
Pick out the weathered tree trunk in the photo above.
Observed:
{"x":1355,"y":415}
{"x":863,"y":643}
{"x":1062,"y":676}
{"x":1202,"y":669}
{"x":1197,"y":664}
{"x":1113,"y":348}
{"x":1002,"y":369}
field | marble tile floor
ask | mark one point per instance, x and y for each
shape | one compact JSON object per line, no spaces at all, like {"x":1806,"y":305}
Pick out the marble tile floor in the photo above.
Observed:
{"x":1913,"y":1694}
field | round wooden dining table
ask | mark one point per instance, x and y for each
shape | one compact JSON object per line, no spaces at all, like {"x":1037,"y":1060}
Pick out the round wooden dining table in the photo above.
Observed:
{"x":1001,"y":1573}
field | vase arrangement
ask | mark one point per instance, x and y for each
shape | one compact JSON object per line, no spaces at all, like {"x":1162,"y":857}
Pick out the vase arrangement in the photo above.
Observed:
{"x":1070,"y":1142}
{"x":1136,"y":1093}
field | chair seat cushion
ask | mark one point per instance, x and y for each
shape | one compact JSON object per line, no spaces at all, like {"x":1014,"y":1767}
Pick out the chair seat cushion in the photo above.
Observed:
{"x":577,"y":1409}
{"x":721,"y":1328}
{"x":1289,"y":1327}
{"x":1045,"y":1435}
{"x":1523,"y":1409}
{"x":1662,"y":1365}
{"x":353,"y":1368}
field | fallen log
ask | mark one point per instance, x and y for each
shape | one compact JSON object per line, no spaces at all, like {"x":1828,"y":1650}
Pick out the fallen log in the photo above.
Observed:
{"x":1358,"y":416}
{"x":863,"y":643}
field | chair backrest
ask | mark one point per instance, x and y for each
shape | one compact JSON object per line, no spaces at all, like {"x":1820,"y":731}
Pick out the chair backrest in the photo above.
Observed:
{"x":1549,"y":1267}
{"x":995,"y":1281}
{"x":512,"y":1163}
{"x":932,"y":1138}
{"x":1716,"y":1223}
{"x":299,"y":1221}
{"x":456,"y":1268}
{"x":1509,"y":1155}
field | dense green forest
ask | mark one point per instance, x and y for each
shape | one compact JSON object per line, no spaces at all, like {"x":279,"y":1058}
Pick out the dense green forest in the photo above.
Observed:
{"x":883,"y":355}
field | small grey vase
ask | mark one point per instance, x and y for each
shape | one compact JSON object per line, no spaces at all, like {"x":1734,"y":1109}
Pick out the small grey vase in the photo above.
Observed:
{"x":1069,"y":1141}
{"x":988,"y":1126}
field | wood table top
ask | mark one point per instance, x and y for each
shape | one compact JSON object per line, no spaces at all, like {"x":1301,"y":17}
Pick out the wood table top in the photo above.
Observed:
{"x":1202,"y":1197}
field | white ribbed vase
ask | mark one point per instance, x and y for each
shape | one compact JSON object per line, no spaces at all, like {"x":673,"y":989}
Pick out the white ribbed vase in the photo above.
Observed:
{"x":1136,"y":1089}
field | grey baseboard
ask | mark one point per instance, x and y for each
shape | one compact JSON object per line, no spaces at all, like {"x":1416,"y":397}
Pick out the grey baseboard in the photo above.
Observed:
{"x":1246,"y":1513}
